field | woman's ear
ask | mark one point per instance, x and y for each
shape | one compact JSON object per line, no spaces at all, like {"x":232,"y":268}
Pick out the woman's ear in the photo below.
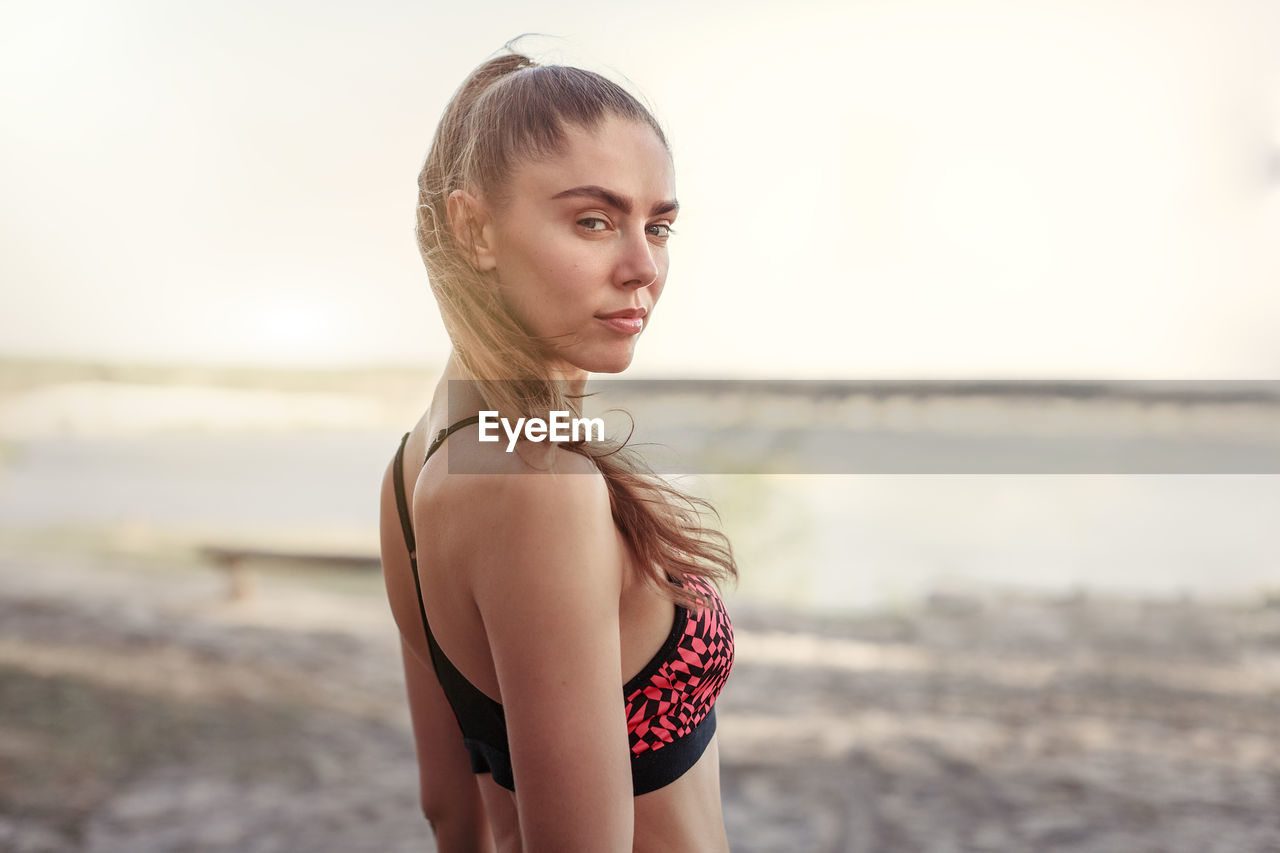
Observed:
{"x":472,"y":228}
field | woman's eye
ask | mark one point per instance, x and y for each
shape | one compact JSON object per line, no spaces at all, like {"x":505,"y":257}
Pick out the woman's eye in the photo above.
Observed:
{"x":591,"y":223}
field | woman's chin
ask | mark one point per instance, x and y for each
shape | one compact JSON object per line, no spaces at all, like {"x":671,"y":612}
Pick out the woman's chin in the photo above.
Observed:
{"x":610,"y":360}
{"x":616,"y":364}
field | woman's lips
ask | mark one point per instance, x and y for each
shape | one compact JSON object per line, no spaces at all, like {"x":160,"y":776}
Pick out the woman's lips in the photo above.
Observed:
{"x":625,"y":325}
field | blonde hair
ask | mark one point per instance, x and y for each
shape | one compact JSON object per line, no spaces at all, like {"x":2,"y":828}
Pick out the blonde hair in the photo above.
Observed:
{"x":511,"y":110}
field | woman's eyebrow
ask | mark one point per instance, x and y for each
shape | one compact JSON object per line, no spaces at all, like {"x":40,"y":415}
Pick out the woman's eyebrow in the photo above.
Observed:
{"x":615,"y":200}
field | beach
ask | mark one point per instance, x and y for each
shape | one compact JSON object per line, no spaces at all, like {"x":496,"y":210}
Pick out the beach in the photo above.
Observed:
{"x":142,"y":710}
{"x":990,"y":662}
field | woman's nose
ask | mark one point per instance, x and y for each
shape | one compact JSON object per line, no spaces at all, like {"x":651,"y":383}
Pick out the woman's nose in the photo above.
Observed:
{"x":637,"y":266}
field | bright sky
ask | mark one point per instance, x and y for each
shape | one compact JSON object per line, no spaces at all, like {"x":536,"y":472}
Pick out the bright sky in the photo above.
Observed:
{"x":931,"y":188}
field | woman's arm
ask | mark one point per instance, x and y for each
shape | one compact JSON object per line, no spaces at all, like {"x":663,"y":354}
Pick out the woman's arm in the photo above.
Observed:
{"x":448,"y":792}
{"x":547,"y":577}
{"x":450,"y":796}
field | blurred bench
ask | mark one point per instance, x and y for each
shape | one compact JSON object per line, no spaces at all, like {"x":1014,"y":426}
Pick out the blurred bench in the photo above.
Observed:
{"x":235,"y":562}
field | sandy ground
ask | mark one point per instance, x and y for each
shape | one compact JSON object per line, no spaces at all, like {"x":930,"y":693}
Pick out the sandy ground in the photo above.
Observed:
{"x":140,"y":712}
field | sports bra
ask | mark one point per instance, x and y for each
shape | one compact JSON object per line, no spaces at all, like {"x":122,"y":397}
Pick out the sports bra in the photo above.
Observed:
{"x":670,"y":703}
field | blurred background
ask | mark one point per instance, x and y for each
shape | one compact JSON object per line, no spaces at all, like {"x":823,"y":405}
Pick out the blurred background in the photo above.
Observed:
{"x":216,"y":328}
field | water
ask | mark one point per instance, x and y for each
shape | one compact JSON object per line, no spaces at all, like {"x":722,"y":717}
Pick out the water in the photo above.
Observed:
{"x":823,"y":542}
{"x":239,"y":483}
{"x":877,"y":540}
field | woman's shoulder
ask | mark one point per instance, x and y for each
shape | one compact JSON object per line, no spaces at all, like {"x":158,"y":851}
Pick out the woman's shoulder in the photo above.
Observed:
{"x":491,"y":474}
{"x":492,"y":504}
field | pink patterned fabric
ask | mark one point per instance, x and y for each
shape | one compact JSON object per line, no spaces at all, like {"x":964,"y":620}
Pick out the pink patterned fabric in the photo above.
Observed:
{"x":672,"y":695}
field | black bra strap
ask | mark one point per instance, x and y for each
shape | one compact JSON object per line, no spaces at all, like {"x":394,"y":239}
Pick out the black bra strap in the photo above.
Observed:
{"x":406,"y":523}
{"x":448,"y":431}
{"x":406,"y":519}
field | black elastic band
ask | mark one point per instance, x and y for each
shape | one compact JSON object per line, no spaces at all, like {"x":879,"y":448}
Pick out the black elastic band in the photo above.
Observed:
{"x":406,"y":522}
{"x":481,"y":720}
{"x":448,"y":431}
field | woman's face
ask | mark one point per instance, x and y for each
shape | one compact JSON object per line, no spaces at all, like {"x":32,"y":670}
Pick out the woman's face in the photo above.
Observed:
{"x":580,"y":249}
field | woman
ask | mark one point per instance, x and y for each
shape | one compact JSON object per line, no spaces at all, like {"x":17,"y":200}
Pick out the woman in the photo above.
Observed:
{"x":563,"y":640}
